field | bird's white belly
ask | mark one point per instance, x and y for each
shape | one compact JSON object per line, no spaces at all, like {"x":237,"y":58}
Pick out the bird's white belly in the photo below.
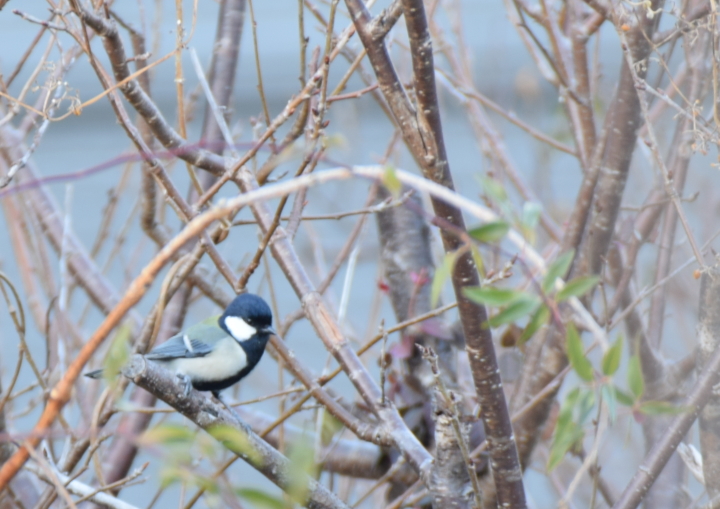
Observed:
{"x":225,"y":361}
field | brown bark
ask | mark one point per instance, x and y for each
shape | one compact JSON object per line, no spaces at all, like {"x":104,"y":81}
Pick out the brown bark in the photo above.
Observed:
{"x":422,"y":132}
{"x":590,"y":232}
{"x":709,"y":339}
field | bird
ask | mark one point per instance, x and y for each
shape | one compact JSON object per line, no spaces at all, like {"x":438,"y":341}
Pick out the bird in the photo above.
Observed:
{"x":217,"y":353}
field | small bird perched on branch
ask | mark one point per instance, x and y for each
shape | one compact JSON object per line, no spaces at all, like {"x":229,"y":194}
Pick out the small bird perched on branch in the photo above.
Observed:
{"x":215,"y":354}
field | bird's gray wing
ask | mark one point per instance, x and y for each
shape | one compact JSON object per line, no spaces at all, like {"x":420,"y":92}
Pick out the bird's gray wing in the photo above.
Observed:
{"x":195,"y":342}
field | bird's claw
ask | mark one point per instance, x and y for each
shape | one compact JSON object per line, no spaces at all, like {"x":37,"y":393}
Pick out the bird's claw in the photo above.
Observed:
{"x":185,"y":383}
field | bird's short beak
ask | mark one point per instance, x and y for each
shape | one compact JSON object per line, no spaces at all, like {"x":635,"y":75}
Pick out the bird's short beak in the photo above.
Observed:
{"x":270,"y":330}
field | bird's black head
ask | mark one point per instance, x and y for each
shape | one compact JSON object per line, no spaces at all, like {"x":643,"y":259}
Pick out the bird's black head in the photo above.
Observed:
{"x":247,"y":315}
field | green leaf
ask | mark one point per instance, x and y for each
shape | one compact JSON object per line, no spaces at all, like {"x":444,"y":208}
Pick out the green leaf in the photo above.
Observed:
{"x":493,"y":189}
{"x":557,"y":269}
{"x":531,"y":214}
{"x":623,"y":397}
{"x":585,"y":406}
{"x":562,"y":443}
{"x":514,"y":311}
{"x":492,"y":296}
{"x":442,"y":274}
{"x":576,"y":355}
{"x":119,"y":353}
{"x":260,"y":499}
{"x":577,"y":287}
{"x":611,"y":359}
{"x":610,"y":399}
{"x":538,"y":319}
{"x":170,"y":474}
{"x":568,"y":406}
{"x":331,"y":426}
{"x":635,"y":377}
{"x":479,"y":264}
{"x":391,"y":181}
{"x":168,"y":434}
{"x":302,"y":466}
{"x":176,"y":472}
{"x":236,"y":441}
{"x":207,"y":447}
{"x":209,"y":484}
{"x":490,"y":232}
{"x":568,"y":432}
{"x":661,"y":408}
{"x":529,"y":220}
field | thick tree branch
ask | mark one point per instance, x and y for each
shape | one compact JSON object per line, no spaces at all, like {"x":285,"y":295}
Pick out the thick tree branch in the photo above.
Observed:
{"x":709,"y":341}
{"x":422,"y":132}
{"x":590,"y":231}
{"x":212,"y":417}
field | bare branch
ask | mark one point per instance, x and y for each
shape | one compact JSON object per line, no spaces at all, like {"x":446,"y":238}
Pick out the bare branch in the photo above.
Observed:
{"x":213,"y":417}
{"x":697,"y":398}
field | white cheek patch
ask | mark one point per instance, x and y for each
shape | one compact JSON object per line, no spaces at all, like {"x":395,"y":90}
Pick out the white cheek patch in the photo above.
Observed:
{"x":239,"y":328}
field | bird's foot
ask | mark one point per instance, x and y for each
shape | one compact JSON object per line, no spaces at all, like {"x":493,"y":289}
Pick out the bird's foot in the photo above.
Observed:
{"x":185,"y":383}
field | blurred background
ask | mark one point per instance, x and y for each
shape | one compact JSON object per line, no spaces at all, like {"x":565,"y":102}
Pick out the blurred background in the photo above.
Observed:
{"x":84,"y":159}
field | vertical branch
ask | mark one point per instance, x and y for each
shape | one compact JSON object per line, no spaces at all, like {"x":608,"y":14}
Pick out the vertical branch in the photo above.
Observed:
{"x":450,"y":481}
{"x":456,"y":486}
{"x":180,"y":86}
{"x":678,"y":161}
{"x":591,"y":227}
{"x":622,"y":123}
{"x":148,"y":217}
{"x":422,"y":132}
{"x":709,"y":340}
{"x":581,"y":69}
{"x":408,"y":269}
{"x":505,"y":464}
{"x":223,"y":67}
{"x":668,"y":492}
